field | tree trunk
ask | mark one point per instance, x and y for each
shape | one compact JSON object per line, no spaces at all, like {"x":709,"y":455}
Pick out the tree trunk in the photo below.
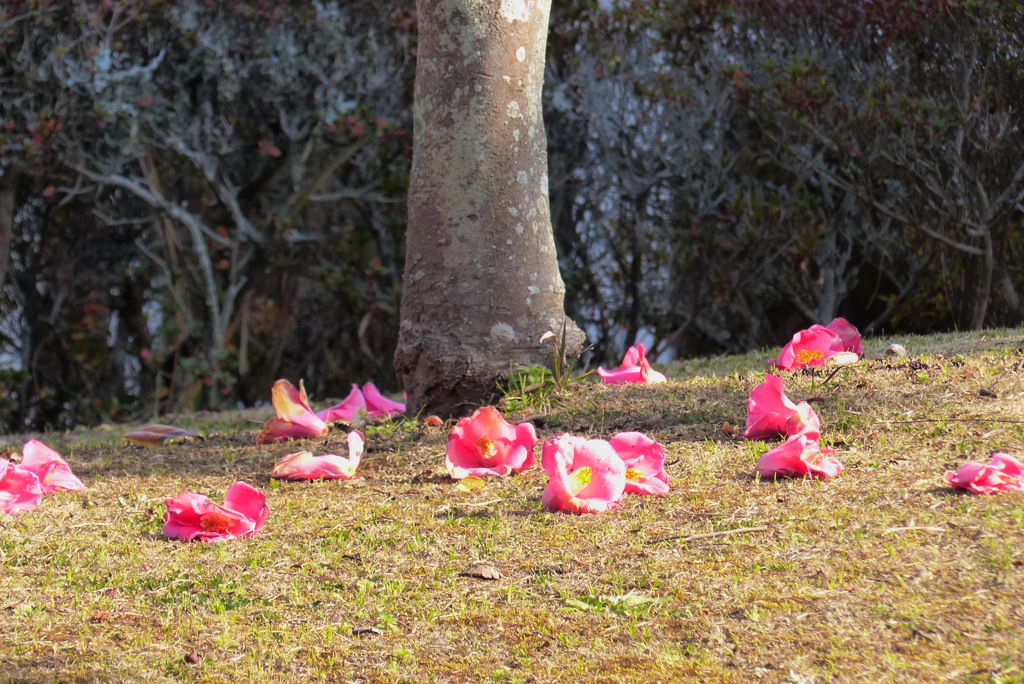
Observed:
{"x":481,"y":282}
{"x":7,"y":210}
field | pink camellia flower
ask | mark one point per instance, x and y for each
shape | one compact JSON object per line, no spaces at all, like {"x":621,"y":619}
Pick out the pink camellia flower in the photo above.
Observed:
{"x":194,"y":516}
{"x":799,"y":456}
{"x":645,"y":463}
{"x":379,"y":406}
{"x":1003,"y":473}
{"x":848,"y":335}
{"x":368,"y":401}
{"x":770,"y":413}
{"x":305,"y":466}
{"x":53,"y":472}
{"x":484,"y":445}
{"x":587,"y":476}
{"x":808,"y":348}
{"x":634,"y":368}
{"x":294,"y":419}
{"x":20,"y":490}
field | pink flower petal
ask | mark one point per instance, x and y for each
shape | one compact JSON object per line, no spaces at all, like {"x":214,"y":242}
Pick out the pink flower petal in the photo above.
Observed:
{"x":347,"y":409}
{"x":53,"y":472}
{"x":294,"y":420}
{"x":1003,"y":473}
{"x":20,"y":490}
{"x":305,"y":466}
{"x":770,"y":413}
{"x":379,"y":406}
{"x":634,"y":369}
{"x":644,"y":460}
{"x":848,"y":335}
{"x":799,"y":456}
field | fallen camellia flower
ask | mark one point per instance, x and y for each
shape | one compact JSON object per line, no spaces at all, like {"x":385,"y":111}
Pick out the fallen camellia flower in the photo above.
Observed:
{"x":799,"y":456}
{"x":53,"y":472}
{"x":294,"y":419}
{"x":770,"y":413}
{"x":587,"y":476}
{"x":808,"y":347}
{"x":360,"y":404}
{"x":848,"y":335}
{"x":154,"y":435}
{"x":644,"y":460}
{"x":1003,"y":473}
{"x":193,"y":516}
{"x":485,"y":445}
{"x":634,"y":368}
{"x":305,"y":466}
{"x":20,"y":490}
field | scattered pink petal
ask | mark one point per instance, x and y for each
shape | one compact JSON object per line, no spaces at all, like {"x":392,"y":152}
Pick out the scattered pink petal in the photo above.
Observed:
{"x":848,"y":334}
{"x":379,"y":406}
{"x":193,"y":516}
{"x":771,"y":414}
{"x":154,"y":435}
{"x":53,"y":472}
{"x":346,"y":410}
{"x":799,"y":456}
{"x":1003,"y":473}
{"x":587,"y":476}
{"x":645,"y":463}
{"x":20,"y":490}
{"x":808,"y":348}
{"x":294,"y":420}
{"x":305,"y":466}
{"x":634,"y":369}
{"x":485,"y":445}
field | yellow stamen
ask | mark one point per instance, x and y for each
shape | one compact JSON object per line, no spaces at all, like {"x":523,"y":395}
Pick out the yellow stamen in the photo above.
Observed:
{"x":580,"y":479}
{"x":805,"y":356}
{"x":215,"y":521}
{"x":633,"y":475}
{"x":487,"y":448}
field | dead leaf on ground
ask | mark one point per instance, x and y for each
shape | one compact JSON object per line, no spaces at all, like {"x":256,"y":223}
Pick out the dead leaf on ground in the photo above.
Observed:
{"x":482,"y":569}
{"x":154,"y":435}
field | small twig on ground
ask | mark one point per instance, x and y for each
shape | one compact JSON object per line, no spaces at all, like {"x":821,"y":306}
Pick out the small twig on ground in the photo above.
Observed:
{"x":445,"y":509}
{"x":892,"y":530}
{"x":708,"y":535}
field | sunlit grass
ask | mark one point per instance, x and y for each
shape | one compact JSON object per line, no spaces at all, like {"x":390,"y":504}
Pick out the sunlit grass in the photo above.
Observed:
{"x":883,"y":574}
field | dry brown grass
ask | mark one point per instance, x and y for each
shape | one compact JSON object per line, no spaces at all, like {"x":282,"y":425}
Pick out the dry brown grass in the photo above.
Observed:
{"x":884,"y":574}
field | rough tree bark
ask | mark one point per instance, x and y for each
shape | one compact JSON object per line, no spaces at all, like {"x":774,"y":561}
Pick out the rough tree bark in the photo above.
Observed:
{"x":481,"y":282}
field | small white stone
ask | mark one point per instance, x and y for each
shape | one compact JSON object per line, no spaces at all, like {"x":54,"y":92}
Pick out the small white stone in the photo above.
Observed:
{"x":521,"y":54}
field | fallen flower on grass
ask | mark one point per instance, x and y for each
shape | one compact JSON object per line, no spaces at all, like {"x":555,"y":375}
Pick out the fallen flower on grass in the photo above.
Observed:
{"x":808,"y":347}
{"x":305,"y":466}
{"x":819,"y":343}
{"x":193,"y":516}
{"x":294,"y":419}
{"x":53,"y":472}
{"x":634,"y":369}
{"x":361,"y":404}
{"x":799,"y":456}
{"x":20,"y":490}
{"x":587,"y":476}
{"x":770,"y":413}
{"x":644,"y":459}
{"x":1003,"y":473}
{"x":485,"y":445}
{"x":154,"y":435}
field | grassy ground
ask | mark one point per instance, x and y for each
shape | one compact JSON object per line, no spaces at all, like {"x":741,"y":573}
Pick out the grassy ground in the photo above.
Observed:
{"x":884,"y":574}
